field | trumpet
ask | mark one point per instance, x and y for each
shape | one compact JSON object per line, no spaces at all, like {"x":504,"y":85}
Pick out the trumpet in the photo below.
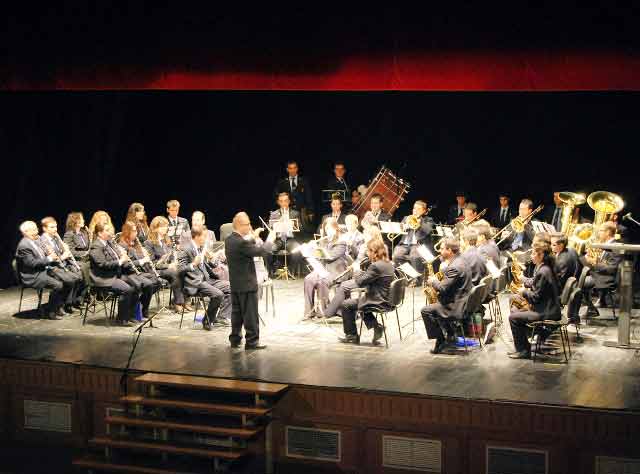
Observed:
{"x":66,"y":249}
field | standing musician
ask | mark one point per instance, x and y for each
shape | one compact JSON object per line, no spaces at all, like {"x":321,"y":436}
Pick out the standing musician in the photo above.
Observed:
{"x":76,"y":236}
{"x":487,"y":247}
{"x":241,"y":247}
{"x":284,"y":241}
{"x":335,"y":214}
{"x":472,"y":256}
{"x":375,"y":214}
{"x":543,"y":299}
{"x":456,"y":212}
{"x":34,"y":264}
{"x":146,"y":281}
{"x":177,"y":225}
{"x":553,"y":214}
{"x":111,"y":269}
{"x":338,"y":181}
{"x":67,"y":270}
{"x":165,"y":259}
{"x":566,"y":259}
{"x":520,"y":240}
{"x":407,"y":249}
{"x":604,"y":269}
{"x":201,"y":280}
{"x":503,"y":215}
{"x":377,"y":281}
{"x":334,"y":262}
{"x":298,"y":188}
{"x":453,"y":291}
{"x":137,"y":215}
{"x":470,"y":214}
{"x":99,"y":217}
{"x":352,"y":237}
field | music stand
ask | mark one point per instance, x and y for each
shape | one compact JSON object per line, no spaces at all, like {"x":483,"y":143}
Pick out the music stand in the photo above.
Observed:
{"x":626,"y":293}
{"x":284,"y":227}
{"x":327,"y":194}
{"x":412,"y":275}
{"x":393,"y":231}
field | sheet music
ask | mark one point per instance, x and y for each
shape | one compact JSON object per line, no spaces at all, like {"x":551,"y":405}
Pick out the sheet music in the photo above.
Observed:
{"x":540,"y":226}
{"x":388,"y":227}
{"x":284,"y":226}
{"x":444,"y":231}
{"x":408,"y":270}
{"x":425,"y":253}
{"x":493,"y":270}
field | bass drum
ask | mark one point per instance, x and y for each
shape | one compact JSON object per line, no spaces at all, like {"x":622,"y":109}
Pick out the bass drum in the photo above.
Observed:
{"x":389,"y":186}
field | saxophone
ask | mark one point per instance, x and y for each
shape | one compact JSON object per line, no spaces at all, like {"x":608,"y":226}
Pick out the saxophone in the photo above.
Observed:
{"x":430,"y":292}
{"x":516,"y":284}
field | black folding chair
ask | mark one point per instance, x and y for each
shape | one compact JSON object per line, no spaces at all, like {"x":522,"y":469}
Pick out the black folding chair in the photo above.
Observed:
{"x":396,"y":298}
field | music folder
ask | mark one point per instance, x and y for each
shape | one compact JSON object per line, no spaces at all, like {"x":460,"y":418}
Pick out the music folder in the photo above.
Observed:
{"x":493,"y":270}
{"x":284,"y":226}
{"x":388,"y":227}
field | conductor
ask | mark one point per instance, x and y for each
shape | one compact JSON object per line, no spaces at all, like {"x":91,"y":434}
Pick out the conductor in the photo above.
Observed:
{"x":240,"y":248}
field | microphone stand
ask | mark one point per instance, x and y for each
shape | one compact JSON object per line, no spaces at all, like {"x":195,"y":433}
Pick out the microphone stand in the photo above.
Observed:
{"x":138,"y":332}
{"x":629,"y":218}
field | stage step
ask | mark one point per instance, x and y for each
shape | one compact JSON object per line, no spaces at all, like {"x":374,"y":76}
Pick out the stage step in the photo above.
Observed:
{"x":159,"y":447}
{"x":218,"y":408}
{"x":213,"y":384}
{"x":240,"y":433}
{"x":100,"y":465}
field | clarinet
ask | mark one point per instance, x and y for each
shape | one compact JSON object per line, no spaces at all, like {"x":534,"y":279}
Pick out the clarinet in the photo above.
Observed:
{"x":66,"y":248}
{"x":146,"y":254}
{"x":122,"y":252}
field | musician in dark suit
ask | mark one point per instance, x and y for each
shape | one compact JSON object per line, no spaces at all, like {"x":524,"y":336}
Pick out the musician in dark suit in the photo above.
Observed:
{"x":407,"y":249}
{"x":553,"y":214}
{"x":33,"y":264}
{"x":603,"y":276}
{"x":241,"y":247}
{"x":110,"y":268}
{"x":456,"y":212}
{"x":331,"y":264}
{"x":566,"y":259}
{"x":453,"y":291}
{"x":472,"y":256}
{"x":336,"y":214}
{"x":164,"y":258}
{"x":284,"y":240}
{"x":543,"y":298}
{"x":177,"y":225}
{"x":137,"y":215}
{"x":68,"y":272}
{"x":375,"y":214}
{"x":487,"y":247}
{"x":299,"y":190}
{"x":502,"y":216}
{"x":338,"y":181}
{"x":514,"y":240}
{"x":200,"y":279}
{"x":76,"y":236}
{"x":377,"y":281}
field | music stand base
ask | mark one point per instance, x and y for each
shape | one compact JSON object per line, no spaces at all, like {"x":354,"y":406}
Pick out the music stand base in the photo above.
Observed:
{"x":284,"y":274}
{"x":621,"y":346}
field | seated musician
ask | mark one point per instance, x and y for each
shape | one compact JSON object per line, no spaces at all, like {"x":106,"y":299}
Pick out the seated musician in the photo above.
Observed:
{"x":76,"y":236}
{"x":355,"y":197}
{"x":164,"y":258}
{"x":377,"y":281}
{"x":470,"y":214}
{"x":177,"y":225}
{"x":200,"y":279}
{"x":514,"y":240}
{"x":111,"y":269}
{"x":604,"y":270}
{"x":137,"y":215}
{"x":375,"y":214}
{"x":216,"y":259}
{"x":453,"y":291}
{"x":284,"y":241}
{"x":472,"y":256}
{"x":335,"y":214}
{"x":34,"y":263}
{"x":487,"y":247}
{"x":334,"y":263}
{"x":353,"y":237}
{"x":542,"y":300}
{"x":407,"y":249}
{"x":566,"y":259}
{"x":67,"y":270}
{"x":145,"y":280}
{"x":99,"y":217}
{"x":298,"y":188}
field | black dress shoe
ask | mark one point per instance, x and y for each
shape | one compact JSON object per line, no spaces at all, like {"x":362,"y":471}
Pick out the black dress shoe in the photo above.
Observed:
{"x":223,"y":322}
{"x":521,"y":355}
{"x":206,"y":325}
{"x":77,"y":305}
{"x":68,"y":309}
{"x":377,"y":334}
{"x":350,"y":339}
{"x":59,"y":312}
{"x":254,"y":347}
{"x":235,"y":345}
{"x":440,"y":345}
{"x":54,"y":316}
{"x":592,"y":312}
{"x":126,"y":324}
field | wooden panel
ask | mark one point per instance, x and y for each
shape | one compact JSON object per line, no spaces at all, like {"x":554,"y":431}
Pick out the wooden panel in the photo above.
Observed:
{"x":558,"y":455}
{"x":104,"y":384}
{"x":205,"y":383}
{"x":45,"y":376}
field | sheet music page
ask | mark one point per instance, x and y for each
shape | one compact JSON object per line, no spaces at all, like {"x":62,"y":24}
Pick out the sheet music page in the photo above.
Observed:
{"x":425,"y":253}
{"x":387,"y":227}
{"x":408,"y":270}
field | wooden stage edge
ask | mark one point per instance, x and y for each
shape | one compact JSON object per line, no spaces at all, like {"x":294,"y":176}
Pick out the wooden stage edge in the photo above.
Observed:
{"x":65,"y":404}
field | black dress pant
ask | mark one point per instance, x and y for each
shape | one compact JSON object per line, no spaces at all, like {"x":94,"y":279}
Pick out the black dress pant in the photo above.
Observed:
{"x":127,"y":298}
{"x":70,"y":280}
{"x":408,"y":253}
{"x":349,"y":311}
{"x":173,"y":276}
{"x":145,"y":285}
{"x":293,"y":259}
{"x":244,"y":312}
{"x":342,"y":293}
{"x":436,"y":321}
{"x":518,"y":321}
{"x":57,"y":290}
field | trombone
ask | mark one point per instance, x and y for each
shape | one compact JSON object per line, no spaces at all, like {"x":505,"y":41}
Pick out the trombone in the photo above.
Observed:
{"x":518,"y":223}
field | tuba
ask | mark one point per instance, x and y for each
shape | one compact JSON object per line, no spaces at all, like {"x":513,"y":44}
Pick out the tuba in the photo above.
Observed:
{"x":604,"y":204}
{"x":569,"y":202}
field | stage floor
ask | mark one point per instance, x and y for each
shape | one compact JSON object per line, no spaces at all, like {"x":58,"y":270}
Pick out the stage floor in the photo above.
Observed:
{"x":308,"y":353}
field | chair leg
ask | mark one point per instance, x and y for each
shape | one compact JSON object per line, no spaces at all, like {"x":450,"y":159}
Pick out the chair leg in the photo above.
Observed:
{"x":40,"y":292}
{"x":361,"y":322}
{"x":399,"y":328}
{"x":21,"y":294}
{"x":273,"y":301}
{"x":181,"y":317}
{"x":564,"y":349}
{"x":384,"y":330}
